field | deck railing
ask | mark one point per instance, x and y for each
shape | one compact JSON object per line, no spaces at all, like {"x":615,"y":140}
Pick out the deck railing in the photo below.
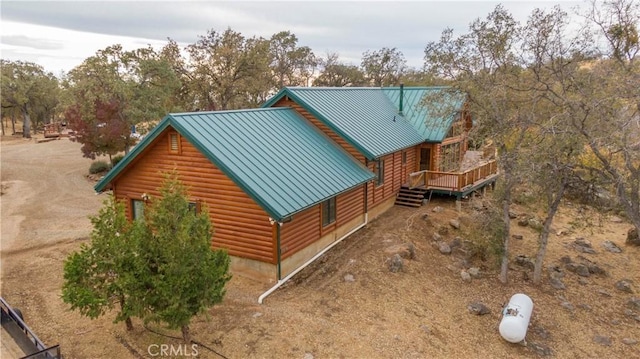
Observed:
{"x":29,"y":340}
{"x":454,"y":181}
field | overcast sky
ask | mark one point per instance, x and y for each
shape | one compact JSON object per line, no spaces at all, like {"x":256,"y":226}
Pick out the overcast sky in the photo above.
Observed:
{"x":60,"y":35}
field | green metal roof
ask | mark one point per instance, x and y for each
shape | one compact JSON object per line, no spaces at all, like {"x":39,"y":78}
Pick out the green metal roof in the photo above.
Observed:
{"x":434,"y":120}
{"x":277,"y":157}
{"x":365,"y":117}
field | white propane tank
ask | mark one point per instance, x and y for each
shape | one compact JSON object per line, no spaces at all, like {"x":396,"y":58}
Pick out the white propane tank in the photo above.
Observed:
{"x":515,"y":318}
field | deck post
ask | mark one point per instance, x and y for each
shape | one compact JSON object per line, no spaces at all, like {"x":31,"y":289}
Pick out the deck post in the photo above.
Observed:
{"x":458,"y":205}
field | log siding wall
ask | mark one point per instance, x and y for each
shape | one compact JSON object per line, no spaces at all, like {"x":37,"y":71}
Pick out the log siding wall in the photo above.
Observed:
{"x":240,"y":224}
{"x":306,"y":227}
{"x":395,"y":175}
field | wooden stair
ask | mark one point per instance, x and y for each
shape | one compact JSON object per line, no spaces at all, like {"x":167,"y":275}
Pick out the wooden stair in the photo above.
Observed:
{"x":410,"y":197}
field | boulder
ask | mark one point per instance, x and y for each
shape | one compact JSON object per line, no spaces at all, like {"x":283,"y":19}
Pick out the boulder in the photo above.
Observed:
{"x":395,"y":263}
{"x":629,"y":341}
{"x":568,"y":306}
{"x":437,"y":209}
{"x":565,"y":260}
{"x":523,"y":222}
{"x":404,"y":250}
{"x":634,"y":303}
{"x":602,"y":340}
{"x":604,"y":293}
{"x":535,"y":224}
{"x":632,"y":237}
{"x":583,"y":245}
{"x":557,"y":284}
{"x":611,"y":247}
{"x":478,"y":308}
{"x":624,"y":285}
{"x":474,"y":272}
{"x":596,"y":269}
{"x":556,"y":272}
{"x":578,"y":268}
{"x":540,"y":349}
{"x":454,"y":223}
{"x":349,"y":278}
{"x":465,"y":276}
{"x":443,"y":230}
{"x":541,"y":332}
{"x":525,"y":261}
{"x":444,"y":248}
{"x":517,"y":236}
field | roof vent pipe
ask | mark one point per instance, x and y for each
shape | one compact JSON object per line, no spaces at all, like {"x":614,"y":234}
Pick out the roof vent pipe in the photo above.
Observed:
{"x":401,"y":99}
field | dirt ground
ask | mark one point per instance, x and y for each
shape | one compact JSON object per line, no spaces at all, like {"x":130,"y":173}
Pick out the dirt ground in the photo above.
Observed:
{"x":346,"y":305}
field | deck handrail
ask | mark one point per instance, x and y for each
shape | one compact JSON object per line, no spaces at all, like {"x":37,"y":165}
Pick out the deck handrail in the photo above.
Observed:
{"x":43,"y":352}
{"x":455,"y":181}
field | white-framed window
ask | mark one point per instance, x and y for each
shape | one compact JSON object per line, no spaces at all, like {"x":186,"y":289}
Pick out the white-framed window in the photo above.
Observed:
{"x":328,"y":211}
{"x":137,"y":209}
{"x":380,"y":172}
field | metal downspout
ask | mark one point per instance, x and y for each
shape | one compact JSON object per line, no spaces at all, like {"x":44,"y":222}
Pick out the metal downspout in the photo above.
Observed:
{"x":285,"y":279}
{"x":400,"y":107}
{"x":278,"y":251}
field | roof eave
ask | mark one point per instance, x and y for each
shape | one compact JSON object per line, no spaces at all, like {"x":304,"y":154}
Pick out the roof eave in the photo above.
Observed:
{"x":129,"y":157}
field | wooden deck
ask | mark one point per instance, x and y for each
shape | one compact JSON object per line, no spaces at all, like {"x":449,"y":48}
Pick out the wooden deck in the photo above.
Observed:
{"x":456,"y":183}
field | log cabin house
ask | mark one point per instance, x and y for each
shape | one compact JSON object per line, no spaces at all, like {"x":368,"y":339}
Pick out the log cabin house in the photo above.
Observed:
{"x":287,"y":181}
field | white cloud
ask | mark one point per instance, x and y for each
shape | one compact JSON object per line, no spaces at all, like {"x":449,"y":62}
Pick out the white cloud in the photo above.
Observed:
{"x":67,"y":48}
{"x":48,"y":32}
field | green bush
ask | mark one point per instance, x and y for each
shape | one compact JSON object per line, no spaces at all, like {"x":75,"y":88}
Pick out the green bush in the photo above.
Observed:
{"x":116,"y":159}
{"x":99,"y":166}
{"x":486,"y":233}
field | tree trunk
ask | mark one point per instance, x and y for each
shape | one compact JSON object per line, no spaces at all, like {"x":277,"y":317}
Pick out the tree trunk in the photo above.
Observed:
{"x":504,"y":266}
{"x":13,"y":124}
{"x":26,"y":125}
{"x":630,"y":201}
{"x":3,"y":124}
{"x":186,"y":335}
{"x":544,"y":235}
{"x":129,"y":324}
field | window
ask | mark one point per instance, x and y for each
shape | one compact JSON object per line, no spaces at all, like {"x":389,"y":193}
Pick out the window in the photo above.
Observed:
{"x":174,"y":143}
{"x":194,"y":207}
{"x":328,"y":211}
{"x":379,"y":172}
{"x":404,"y":157}
{"x":137,"y":209}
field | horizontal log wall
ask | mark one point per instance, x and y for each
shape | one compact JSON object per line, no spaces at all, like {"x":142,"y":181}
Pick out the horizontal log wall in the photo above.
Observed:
{"x":306,"y":227}
{"x":395,"y":175}
{"x":349,"y":205}
{"x":240,"y":224}
{"x":303,"y":230}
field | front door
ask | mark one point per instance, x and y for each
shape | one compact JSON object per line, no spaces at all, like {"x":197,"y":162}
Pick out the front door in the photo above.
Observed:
{"x":425,"y":159}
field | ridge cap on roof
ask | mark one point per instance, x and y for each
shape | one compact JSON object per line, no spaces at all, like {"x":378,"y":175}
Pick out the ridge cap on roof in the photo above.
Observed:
{"x":311,"y":88}
{"x":191,"y":113}
{"x":333,"y":88}
{"x":419,"y":87}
